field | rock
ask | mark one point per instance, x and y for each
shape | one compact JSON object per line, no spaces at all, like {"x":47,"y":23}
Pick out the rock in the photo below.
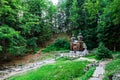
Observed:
{"x":116,"y":76}
{"x":95,"y":64}
{"x":7,"y":71}
{"x":94,"y":79}
{"x":99,"y":71}
{"x":3,"y":73}
{"x":1,"y":76}
{"x":2,"y":68}
{"x":18,"y":69}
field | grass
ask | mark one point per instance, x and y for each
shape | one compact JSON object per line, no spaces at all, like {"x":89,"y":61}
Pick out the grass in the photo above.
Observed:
{"x":66,"y":70}
{"x":91,"y":56}
{"x":62,"y":59}
{"x":87,"y":75}
{"x":112,"y":68}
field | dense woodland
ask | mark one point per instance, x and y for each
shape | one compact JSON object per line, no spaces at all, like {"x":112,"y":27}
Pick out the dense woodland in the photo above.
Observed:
{"x":27,"y":24}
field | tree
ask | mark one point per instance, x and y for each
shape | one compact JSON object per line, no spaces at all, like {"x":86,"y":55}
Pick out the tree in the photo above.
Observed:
{"x":9,"y":12}
{"x":74,"y":16}
{"x":23,"y":22}
{"x":12,"y":43}
{"x":103,"y":52}
{"x":108,"y":28}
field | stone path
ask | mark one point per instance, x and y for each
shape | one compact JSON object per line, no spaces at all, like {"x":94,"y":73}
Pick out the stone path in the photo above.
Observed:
{"x":12,"y":70}
{"x":83,"y":58}
{"x":70,"y":55}
{"x":100,"y":70}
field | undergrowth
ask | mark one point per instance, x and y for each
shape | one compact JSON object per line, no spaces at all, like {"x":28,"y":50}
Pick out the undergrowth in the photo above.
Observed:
{"x":60,"y":44}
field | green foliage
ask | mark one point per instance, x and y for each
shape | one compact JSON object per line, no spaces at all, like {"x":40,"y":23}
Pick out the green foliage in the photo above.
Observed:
{"x":17,"y":50}
{"x":103,"y":52}
{"x":46,"y":34}
{"x":98,"y":21}
{"x":11,"y":41}
{"x":7,"y":32}
{"x":29,"y":24}
{"x":58,"y":45}
{"x":88,"y":74}
{"x":32,"y":43}
{"x":62,"y":43}
{"x":112,"y":68}
{"x":108,"y":27}
{"x":89,"y":36}
{"x":116,"y":55}
{"x":59,"y":71}
{"x":49,"y":48}
{"x":0,"y":48}
{"x":62,"y":59}
{"x":74,"y":14}
{"x":81,"y":15}
{"x":91,"y":56}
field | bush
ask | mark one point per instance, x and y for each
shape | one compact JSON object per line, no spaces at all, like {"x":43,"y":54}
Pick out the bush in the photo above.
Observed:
{"x":112,"y":68}
{"x":49,"y":48}
{"x":0,"y":48}
{"x":88,"y":74}
{"x":11,"y":42}
{"x":32,"y":43}
{"x":103,"y":52}
{"x":17,"y":50}
{"x":62,"y":43}
{"x":117,"y":56}
{"x":58,"y":45}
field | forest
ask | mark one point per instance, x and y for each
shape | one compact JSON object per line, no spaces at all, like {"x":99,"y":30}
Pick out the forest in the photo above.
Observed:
{"x":34,"y":34}
{"x":27,"y":24}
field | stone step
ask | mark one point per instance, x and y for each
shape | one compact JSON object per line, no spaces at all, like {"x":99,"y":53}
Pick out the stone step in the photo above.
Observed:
{"x":94,"y":79}
{"x":99,"y":71}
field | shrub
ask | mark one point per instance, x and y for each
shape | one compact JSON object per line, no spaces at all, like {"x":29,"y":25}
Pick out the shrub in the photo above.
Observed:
{"x":49,"y":48}
{"x":112,"y":68}
{"x":88,"y":74}
{"x":17,"y":50}
{"x":103,"y":52}
{"x":11,"y":42}
{"x":0,"y":48}
{"x":59,"y":44}
{"x":117,"y":56}
{"x":32,"y":43}
{"x":62,"y":43}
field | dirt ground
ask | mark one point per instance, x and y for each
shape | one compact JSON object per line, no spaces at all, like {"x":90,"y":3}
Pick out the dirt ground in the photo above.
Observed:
{"x":29,"y":58}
